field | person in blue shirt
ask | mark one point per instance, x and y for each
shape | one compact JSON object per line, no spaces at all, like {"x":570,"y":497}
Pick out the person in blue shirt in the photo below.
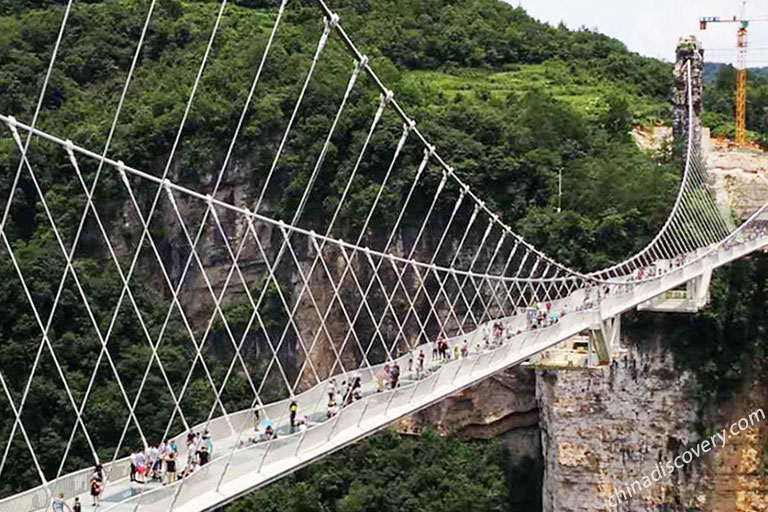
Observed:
{"x":59,"y":504}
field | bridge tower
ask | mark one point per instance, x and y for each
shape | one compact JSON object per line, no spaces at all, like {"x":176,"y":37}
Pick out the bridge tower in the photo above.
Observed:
{"x":694,"y":294}
{"x":689,"y":49}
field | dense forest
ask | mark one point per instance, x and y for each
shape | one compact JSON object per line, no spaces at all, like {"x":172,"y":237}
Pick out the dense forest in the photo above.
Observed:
{"x":510,"y":102}
{"x":377,"y":475}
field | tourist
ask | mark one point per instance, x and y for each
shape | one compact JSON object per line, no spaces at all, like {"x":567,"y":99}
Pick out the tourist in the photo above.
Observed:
{"x":98,"y":471}
{"x":77,"y":506}
{"x":96,"y":482}
{"x":208,"y":443}
{"x":162,"y":452}
{"x":154,"y":461}
{"x":456,"y":351}
{"x":333,"y":408}
{"x":421,"y":361}
{"x":357,"y":386}
{"x":332,"y":389}
{"x":59,"y":504}
{"x":202,"y":454}
{"x":141,"y":467}
{"x":464,"y":349}
{"x":382,"y":377}
{"x":394,"y":375}
{"x":348,"y":394}
{"x":435,"y":349}
{"x":293,"y":408}
{"x":191,"y":460}
{"x":170,"y":467}
{"x":134,"y":466}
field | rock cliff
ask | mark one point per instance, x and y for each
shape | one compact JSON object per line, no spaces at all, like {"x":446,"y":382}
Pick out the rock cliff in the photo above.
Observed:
{"x":604,"y":428}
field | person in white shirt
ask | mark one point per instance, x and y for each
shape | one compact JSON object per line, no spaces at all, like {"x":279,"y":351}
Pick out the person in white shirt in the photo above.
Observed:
{"x":154,"y":457}
{"x":191,"y":458}
{"x":134,"y":466}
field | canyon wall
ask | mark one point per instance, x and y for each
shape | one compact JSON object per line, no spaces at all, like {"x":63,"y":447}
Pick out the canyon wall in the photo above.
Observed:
{"x":603,"y":428}
{"x":581,"y":434}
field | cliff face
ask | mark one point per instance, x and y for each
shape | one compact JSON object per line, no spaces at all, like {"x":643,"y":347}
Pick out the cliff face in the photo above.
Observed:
{"x":739,"y":175}
{"x":604,"y":428}
{"x":310,"y":336}
{"x":581,"y":434}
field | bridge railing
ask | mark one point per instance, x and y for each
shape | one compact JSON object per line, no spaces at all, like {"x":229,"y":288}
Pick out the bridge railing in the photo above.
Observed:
{"x":71,"y":484}
{"x":373,"y":411}
{"x":364,"y":413}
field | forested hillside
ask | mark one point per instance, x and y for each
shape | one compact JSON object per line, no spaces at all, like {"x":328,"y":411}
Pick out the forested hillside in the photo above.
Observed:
{"x":509,"y":102}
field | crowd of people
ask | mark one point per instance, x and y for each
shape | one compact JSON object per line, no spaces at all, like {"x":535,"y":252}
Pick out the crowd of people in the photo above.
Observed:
{"x":541,"y":315}
{"x":267,"y":431}
{"x":159,"y":462}
{"x":344,"y":394}
{"x":156,"y":463}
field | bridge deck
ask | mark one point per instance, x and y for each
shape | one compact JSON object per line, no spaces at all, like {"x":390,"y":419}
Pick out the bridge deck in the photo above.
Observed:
{"x":239,"y":467}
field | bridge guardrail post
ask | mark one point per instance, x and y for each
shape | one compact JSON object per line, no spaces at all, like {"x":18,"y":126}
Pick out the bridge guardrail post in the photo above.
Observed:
{"x":413,"y":392}
{"x":301,"y":441}
{"x":460,"y":367}
{"x":474,"y":365}
{"x":389,"y":402}
{"x":365,"y":409}
{"x":437,"y":380}
{"x":264,"y":458}
{"x":494,"y":354}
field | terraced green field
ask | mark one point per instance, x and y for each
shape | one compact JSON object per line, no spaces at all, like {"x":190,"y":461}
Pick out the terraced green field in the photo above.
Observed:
{"x":569,"y":83}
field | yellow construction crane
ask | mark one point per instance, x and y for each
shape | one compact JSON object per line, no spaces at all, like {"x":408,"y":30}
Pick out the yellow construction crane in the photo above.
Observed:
{"x":741,"y":66}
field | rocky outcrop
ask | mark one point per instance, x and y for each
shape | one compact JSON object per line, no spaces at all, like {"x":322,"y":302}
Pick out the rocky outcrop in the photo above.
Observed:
{"x":689,"y":50}
{"x":739,"y":175}
{"x":498,"y":405}
{"x":604,"y":428}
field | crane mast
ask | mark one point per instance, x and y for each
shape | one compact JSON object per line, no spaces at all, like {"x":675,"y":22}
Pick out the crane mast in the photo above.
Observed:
{"x":741,"y":86}
{"x":741,"y":67}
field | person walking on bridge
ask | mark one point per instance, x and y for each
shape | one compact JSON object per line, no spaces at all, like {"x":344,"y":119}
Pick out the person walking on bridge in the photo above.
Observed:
{"x":170,"y":467}
{"x":394,"y":375}
{"x":96,"y":488}
{"x":293,"y":408}
{"x":59,"y":504}
{"x":134,"y":466}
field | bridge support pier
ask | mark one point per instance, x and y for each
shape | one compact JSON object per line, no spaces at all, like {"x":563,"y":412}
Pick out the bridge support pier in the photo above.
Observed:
{"x":604,"y":338}
{"x":690,"y":300}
